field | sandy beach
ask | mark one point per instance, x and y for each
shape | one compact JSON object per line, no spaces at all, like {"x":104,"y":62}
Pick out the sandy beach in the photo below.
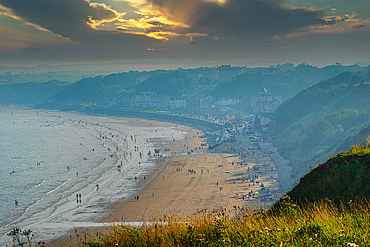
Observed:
{"x":191,"y":178}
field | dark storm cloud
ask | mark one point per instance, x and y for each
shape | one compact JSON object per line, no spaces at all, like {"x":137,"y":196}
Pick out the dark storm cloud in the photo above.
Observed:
{"x":359,"y":26}
{"x":64,"y":17}
{"x":69,"y":19}
{"x":245,"y":19}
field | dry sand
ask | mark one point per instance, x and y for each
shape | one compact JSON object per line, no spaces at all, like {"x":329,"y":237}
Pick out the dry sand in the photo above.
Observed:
{"x":175,"y":190}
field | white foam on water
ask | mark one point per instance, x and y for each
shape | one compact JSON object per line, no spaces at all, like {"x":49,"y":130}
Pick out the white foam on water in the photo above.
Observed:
{"x":56,"y":155}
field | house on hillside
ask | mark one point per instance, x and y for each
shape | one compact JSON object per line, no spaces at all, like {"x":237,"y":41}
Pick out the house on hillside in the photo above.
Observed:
{"x":152,"y":100}
{"x":159,"y":101}
{"x":206,"y":102}
{"x":178,"y":103}
{"x":265,"y":102}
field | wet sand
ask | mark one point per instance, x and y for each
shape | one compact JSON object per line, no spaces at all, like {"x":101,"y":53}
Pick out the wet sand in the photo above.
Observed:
{"x":190,"y":178}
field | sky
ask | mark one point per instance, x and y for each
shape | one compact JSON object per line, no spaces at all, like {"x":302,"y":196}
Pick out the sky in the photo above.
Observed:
{"x":203,"y":31}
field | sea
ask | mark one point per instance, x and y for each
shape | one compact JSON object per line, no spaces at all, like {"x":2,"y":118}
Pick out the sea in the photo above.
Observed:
{"x":60,"y":170}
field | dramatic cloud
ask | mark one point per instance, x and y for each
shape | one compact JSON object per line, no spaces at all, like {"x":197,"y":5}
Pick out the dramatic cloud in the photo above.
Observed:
{"x":68,"y":18}
{"x":181,"y":29}
{"x":245,"y":19}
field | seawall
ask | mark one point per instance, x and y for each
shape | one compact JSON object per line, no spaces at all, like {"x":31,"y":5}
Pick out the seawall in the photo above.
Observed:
{"x":193,"y":122}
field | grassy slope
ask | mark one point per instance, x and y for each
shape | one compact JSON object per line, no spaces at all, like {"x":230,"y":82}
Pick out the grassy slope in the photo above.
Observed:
{"x":342,"y":178}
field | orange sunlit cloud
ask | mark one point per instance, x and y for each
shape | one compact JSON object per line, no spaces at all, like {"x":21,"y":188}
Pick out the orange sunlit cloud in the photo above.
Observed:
{"x":156,"y":35}
{"x":152,"y":24}
{"x":94,"y":23}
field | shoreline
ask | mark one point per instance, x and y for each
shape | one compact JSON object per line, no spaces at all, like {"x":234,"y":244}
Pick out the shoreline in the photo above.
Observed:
{"x":219,"y":179}
{"x":66,"y":214}
{"x":218,"y":183}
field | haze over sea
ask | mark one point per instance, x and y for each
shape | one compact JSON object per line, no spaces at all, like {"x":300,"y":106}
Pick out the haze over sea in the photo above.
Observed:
{"x":47,"y":157}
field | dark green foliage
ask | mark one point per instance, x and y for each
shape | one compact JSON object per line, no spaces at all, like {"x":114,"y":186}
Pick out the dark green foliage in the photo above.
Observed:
{"x":286,"y":83}
{"x":30,"y":92}
{"x":173,"y":84}
{"x":126,"y":80}
{"x":86,"y":90}
{"x":341,"y":179}
{"x":315,"y":225}
{"x":283,"y":80}
{"x":313,"y":98}
{"x":311,"y":126}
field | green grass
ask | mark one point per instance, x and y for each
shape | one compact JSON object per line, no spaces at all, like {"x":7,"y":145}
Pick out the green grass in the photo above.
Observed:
{"x":317,"y":212}
{"x":316,"y":225}
{"x":340,"y":217}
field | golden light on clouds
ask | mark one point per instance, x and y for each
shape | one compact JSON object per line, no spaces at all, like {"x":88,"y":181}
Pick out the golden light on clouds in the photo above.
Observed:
{"x":152,"y":24}
{"x":220,"y":2}
{"x":9,"y":12}
{"x":115,"y":16}
{"x":171,"y":26}
{"x":156,"y":35}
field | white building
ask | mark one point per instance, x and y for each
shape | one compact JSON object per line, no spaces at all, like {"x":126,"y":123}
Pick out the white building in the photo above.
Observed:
{"x":178,"y":103}
{"x":224,"y":102}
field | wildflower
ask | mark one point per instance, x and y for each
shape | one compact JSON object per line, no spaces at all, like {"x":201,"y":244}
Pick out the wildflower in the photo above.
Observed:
{"x":310,"y":239}
{"x":352,"y":245}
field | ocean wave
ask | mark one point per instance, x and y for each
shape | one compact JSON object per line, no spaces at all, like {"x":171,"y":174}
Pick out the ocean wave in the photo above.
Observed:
{"x":58,"y":186}
{"x":37,"y":185}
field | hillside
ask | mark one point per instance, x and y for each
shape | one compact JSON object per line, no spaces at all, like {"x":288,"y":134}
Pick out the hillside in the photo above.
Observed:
{"x":311,"y":126}
{"x":342,"y":178}
{"x":218,"y":82}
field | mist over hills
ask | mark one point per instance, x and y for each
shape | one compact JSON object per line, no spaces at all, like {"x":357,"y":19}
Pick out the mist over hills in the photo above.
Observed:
{"x":311,"y":126}
{"x":323,"y":111}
